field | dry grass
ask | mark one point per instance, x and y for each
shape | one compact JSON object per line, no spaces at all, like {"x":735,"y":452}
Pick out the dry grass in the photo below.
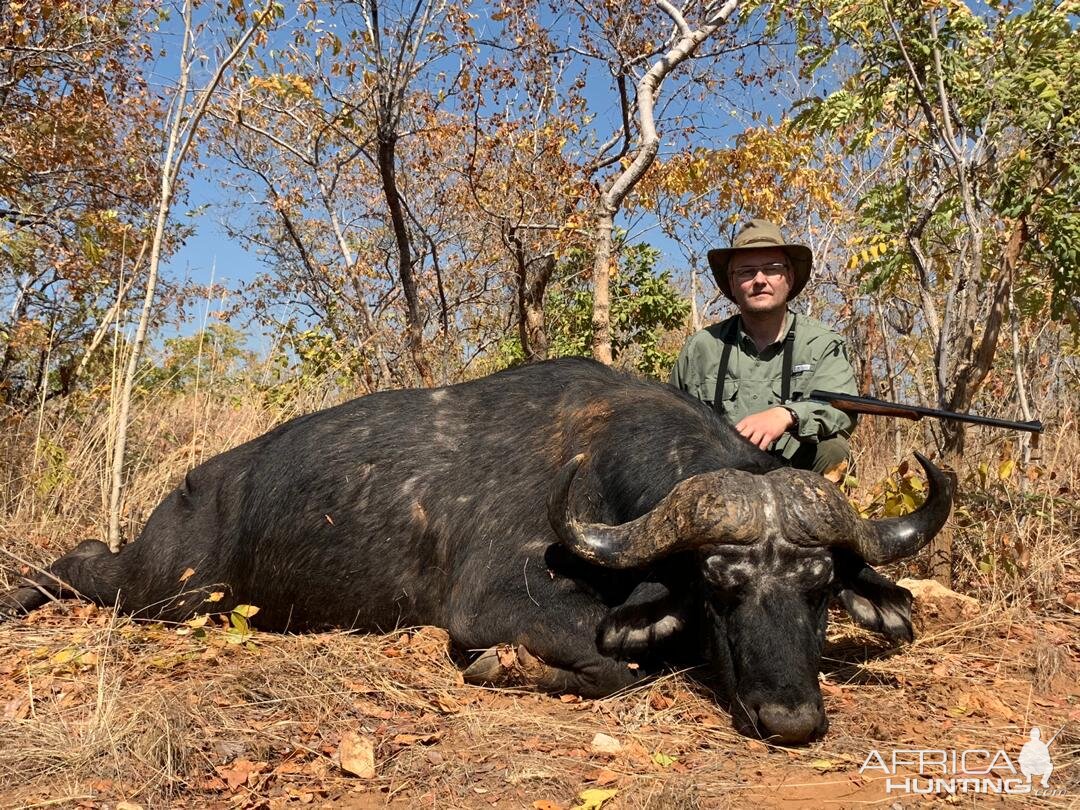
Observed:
{"x":95,"y":709}
{"x":96,"y":706}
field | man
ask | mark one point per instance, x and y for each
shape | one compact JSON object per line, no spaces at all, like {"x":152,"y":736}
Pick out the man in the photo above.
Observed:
{"x":757,"y":367}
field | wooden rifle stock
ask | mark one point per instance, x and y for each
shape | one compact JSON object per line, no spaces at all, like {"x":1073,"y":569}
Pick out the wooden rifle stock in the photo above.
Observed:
{"x":880,"y":407}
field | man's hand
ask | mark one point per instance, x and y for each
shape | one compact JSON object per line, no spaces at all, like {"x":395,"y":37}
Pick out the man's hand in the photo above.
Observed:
{"x":765,"y":427}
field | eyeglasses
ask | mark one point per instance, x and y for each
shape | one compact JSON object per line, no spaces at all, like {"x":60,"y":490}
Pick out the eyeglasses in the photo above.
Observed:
{"x":749,"y":273}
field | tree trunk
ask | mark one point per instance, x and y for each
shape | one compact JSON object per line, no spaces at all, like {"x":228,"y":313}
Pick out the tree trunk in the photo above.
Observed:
{"x":532,"y":329}
{"x":537,"y":331}
{"x":182,"y":131}
{"x":612,"y":197}
{"x":601,"y":279}
{"x":387,"y":143}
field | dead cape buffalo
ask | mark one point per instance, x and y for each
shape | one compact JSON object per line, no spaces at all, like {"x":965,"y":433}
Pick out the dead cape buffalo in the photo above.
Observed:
{"x":590,"y":517}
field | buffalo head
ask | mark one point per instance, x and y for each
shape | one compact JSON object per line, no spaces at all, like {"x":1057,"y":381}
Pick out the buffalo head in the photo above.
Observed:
{"x":772,"y":550}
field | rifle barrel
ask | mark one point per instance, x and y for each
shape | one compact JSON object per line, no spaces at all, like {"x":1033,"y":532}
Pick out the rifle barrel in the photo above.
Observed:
{"x":855,"y":404}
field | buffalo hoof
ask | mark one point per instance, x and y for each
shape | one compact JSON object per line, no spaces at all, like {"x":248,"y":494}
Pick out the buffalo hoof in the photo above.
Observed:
{"x":506,"y":665}
{"x":487,"y":668}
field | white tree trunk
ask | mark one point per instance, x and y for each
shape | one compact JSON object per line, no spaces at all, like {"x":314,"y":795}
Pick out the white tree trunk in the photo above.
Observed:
{"x":610,"y":200}
{"x":182,"y":132}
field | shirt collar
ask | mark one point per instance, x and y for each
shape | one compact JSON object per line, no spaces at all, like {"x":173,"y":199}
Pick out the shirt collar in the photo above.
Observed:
{"x":748,"y":341}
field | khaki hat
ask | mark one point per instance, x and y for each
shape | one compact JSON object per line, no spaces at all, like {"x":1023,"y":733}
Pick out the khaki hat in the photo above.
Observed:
{"x":760,"y":233}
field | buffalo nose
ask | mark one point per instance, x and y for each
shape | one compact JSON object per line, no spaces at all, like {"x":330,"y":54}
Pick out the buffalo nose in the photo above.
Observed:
{"x":787,"y":725}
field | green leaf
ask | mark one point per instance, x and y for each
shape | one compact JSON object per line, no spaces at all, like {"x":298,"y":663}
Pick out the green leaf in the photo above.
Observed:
{"x":594,"y":798}
{"x":663,"y":760}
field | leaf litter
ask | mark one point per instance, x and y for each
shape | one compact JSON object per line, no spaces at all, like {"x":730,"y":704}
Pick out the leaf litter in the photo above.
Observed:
{"x":98,"y":707}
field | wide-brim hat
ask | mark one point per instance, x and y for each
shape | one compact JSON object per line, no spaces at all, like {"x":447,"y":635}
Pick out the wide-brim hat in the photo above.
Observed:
{"x":760,"y":233}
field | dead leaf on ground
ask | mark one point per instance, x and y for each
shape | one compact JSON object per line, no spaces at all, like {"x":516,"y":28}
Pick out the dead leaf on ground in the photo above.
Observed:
{"x":605,"y":777}
{"x":992,"y":705}
{"x":448,"y":704}
{"x":413,"y":739}
{"x":660,"y":702}
{"x":239,"y":772}
{"x":831,"y":689}
{"x":356,"y":755}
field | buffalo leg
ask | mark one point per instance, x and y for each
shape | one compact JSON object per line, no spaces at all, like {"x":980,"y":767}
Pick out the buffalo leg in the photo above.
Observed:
{"x":556,"y":648}
{"x":595,"y":678}
{"x":522,"y":668}
{"x":89,"y":570}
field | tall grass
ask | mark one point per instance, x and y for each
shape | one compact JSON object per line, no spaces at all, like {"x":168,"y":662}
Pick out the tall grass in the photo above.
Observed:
{"x":1016,"y":524}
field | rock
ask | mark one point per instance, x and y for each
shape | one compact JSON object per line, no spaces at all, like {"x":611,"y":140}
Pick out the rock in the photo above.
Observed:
{"x":937,"y":606}
{"x":356,"y":755}
{"x":603,"y":744}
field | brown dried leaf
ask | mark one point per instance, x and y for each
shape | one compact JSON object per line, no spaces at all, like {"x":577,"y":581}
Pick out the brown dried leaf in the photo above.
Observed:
{"x":605,"y":777}
{"x":413,"y":739}
{"x":448,"y":704}
{"x":992,"y":705}
{"x":239,"y":772}
{"x":660,"y":702}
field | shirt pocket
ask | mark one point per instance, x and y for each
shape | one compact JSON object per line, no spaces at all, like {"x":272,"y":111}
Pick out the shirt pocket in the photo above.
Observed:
{"x":708,"y":391}
{"x":799,"y":387}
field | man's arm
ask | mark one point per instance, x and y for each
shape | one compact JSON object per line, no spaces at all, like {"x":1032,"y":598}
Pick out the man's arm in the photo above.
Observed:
{"x":682,"y":376}
{"x":832,"y":372}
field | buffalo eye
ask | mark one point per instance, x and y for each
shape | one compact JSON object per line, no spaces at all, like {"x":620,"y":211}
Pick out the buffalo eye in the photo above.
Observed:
{"x":726,"y":577}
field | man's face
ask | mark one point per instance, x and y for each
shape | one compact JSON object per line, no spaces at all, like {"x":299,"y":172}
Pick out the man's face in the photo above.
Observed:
{"x":760,"y":279}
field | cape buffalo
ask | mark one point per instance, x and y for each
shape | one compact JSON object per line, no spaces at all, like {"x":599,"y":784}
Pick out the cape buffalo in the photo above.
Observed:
{"x":605,"y":524}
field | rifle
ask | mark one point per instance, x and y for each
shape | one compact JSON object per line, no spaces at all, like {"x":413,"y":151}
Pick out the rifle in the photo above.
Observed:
{"x":854,"y":404}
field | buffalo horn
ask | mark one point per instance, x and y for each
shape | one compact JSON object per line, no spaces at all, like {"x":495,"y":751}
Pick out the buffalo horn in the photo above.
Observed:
{"x":815,"y":513}
{"x":706,"y":509}
{"x":891,"y":539}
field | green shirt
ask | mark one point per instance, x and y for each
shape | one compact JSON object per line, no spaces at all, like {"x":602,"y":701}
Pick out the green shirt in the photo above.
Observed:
{"x":753,"y":379}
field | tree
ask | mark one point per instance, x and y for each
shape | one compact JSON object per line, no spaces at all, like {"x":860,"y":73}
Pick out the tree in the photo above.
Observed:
{"x":684,"y":43}
{"x":345,"y":135}
{"x":977,"y":119}
{"x":645,"y":307}
{"x":76,"y":179}
{"x":182,"y":126}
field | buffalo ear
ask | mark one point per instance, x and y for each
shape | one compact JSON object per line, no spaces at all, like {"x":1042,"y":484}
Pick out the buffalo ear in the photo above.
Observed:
{"x":873,"y":601}
{"x":649,"y":617}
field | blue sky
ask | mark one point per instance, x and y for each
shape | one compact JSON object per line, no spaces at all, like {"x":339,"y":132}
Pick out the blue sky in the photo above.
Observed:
{"x":210,"y":254}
